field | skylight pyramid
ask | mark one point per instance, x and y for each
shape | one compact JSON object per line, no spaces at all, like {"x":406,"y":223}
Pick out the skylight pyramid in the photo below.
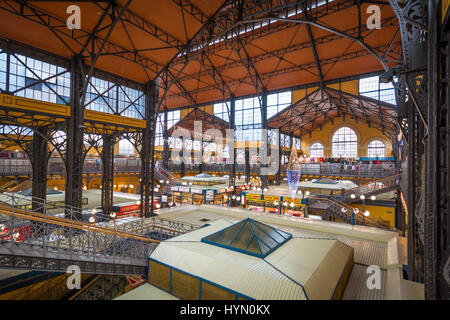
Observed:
{"x":250,"y":237}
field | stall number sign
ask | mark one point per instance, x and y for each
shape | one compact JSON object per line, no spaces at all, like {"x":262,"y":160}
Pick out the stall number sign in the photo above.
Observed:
{"x":271,"y":198}
{"x":209,"y":194}
{"x":250,"y":196}
{"x":297,"y":201}
{"x":184,"y":189}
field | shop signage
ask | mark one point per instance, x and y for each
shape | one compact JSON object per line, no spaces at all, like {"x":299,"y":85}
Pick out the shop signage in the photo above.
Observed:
{"x":184,"y":189}
{"x":271,"y":198}
{"x":197,"y":191}
{"x":251,"y":196}
{"x":209,"y":195}
{"x":297,"y":201}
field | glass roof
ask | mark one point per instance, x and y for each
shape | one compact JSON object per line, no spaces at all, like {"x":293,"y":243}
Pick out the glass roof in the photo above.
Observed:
{"x":250,"y":237}
{"x":326,"y":181}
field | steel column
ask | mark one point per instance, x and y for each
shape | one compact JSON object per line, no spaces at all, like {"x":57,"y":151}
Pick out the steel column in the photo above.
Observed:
{"x":148,"y":150}
{"x":108,"y":173}
{"x":431,"y":159}
{"x":232,"y":153}
{"x":264,"y":156}
{"x":280,"y":157}
{"x":412,"y":232}
{"x":247,"y":164}
{"x":165,"y":161}
{"x":39,"y":161}
{"x":74,"y":157}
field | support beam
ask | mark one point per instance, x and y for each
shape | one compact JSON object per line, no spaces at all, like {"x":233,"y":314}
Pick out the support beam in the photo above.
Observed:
{"x":108,"y":174}
{"x":148,"y":150}
{"x":247,"y":164}
{"x":166,"y":141}
{"x":232,"y":152}
{"x":280,"y":157}
{"x":74,"y":156}
{"x":39,"y":160}
{"x":264,"y":137}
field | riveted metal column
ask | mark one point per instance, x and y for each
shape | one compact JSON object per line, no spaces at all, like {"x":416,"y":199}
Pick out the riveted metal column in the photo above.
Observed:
{"x":74,"y":157}
{"x":232,"y":152}
{"x":247,"y":163}
{"x":182,"y":156}
{"x":280,"y":157}
{"x":200,"y":165}
{"x":432,"y":175}
{"x":148,"y":150}
{"x":264,"y":141}
{"x":108,"y":174}
{"x":39,"y":161}
{"x":412,"y":231}
{"x":166,"y":141}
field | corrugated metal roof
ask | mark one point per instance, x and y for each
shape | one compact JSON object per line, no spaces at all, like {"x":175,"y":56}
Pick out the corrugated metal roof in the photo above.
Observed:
{"x":146,"y":292}
{"x":357,"y":289}
{"x":279,"y":277}
{"x":370,"y":244}
{"x":368,"y":252}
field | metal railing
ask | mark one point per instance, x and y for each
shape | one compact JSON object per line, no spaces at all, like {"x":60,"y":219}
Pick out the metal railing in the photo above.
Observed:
{"x":342,"y":211}
{"x":102,"y":287}
{"x":371,"y":188}
{"x":315,"y":169}
{"x":51,"y":289}
{"x":312,"y":169}
{"x":26,"y":236}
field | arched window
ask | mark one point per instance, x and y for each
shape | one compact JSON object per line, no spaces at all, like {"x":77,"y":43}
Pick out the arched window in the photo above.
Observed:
{"x":316,"y":150}
{"x":126,"y":148}
{"x":376,"y":149}
{"x":345,"y":143}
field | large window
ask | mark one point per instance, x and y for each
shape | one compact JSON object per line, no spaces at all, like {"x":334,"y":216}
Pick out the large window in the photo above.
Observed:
{"x":106,"y":96}
{"x":35,"y":79}
{"x":316,"y":150}
{"x":248,"y":119}
{"x":126,"y":148}
{"x":372,"y":88}
{"x":297,"y":143}
{"x":3,"y":61}
{"x":172,"y":118}
{"x":159,"y":138}
{"x":221,"y":110}
{"x":344,"y":143}
{"x":277,"y":102}
{"x":376,"y":148}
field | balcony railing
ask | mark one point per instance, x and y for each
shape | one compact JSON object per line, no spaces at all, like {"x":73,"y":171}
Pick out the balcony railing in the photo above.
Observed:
{"x":122,"y":166}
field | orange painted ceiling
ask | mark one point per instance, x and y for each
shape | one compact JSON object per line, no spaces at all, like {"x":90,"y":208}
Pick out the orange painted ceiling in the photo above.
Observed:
{"x":145,"y":43}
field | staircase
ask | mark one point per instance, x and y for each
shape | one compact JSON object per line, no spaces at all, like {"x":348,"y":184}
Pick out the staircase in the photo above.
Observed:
{"x":339,"y":208}
{"x":330,"y":207}
{"x":27,"y":184}
{"x":103,"y":287}
{"x":162,"y":174}
{"x":36,"y":240}
{"x":9,"y":184}
{"x":52,"y":288}
{"x":372,"y":188}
